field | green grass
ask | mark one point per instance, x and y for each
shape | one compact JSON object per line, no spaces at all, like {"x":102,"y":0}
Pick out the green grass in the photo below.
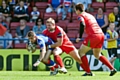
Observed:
{"x":44,"y":75}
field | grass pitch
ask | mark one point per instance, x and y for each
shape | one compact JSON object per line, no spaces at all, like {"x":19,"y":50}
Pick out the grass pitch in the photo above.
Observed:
{"x":44,"y":75}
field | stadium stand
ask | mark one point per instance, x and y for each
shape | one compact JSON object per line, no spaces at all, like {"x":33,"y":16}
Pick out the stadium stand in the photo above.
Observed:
{"x":52,"y":15}
{"x":109,"y":6}
{"x":96,"y":5}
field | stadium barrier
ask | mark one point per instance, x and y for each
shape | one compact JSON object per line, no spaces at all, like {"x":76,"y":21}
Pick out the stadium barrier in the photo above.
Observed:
{"x":22,"y":60}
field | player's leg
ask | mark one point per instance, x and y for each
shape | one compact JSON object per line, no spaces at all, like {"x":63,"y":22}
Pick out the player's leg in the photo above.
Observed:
{"x":82,"y":52}
{"x":57,"y":51}
{"x":74,"y":54}
{"x":103,"y":59}
{"x":50,"y":63}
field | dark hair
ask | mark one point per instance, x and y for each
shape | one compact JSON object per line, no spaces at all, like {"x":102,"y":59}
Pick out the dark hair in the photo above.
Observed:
{"x":79,"y":7}
{"x":30,"y":33}
{"x":38,"y":20}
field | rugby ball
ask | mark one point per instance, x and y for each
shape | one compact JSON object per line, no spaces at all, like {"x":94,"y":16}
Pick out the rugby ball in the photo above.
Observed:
{"x":114,"y":34}
{"x":31,"y":47}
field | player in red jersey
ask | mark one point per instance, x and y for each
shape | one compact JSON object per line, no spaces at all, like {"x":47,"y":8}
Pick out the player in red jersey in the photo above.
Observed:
{"x":62,"y":41}
{"x":94,"y":39}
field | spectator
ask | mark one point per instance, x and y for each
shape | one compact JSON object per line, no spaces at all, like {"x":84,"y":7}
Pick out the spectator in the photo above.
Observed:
{"x":112,"y":41}
{"x":39,"y":27}
{"x":2,"y":22}
{"x":12,"y":4}
{"x":54,"y":6}
{"x":117,"y":1}
{"x":67,"y":8}
{"x":21,"y":12}
{"x":5,"y":11}
{"x":102,"y":20}
{"x":21,"y":31}
{"x":86,"y":3}
{"x":115,"y":17}
{"x":35,"y":14}
{"x":8,"y":43}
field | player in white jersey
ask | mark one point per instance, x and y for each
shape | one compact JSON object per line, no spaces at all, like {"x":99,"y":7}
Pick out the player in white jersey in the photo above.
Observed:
{"x":45,"y":52}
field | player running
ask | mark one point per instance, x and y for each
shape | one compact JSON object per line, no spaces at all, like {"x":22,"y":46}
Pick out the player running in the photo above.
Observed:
{"x":93,"y":41}
{"x":61,"y":40}
{"x":42,"y":41}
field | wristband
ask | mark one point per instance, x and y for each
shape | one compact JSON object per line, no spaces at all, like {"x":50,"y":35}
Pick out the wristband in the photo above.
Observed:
{"x":49,"y":46}
{"x":38,"y":61}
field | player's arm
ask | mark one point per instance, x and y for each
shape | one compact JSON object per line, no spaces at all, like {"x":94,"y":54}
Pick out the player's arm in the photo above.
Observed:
{"x":59,"y":41}
{"x":81,"y":28}
{"x":42,"y":52}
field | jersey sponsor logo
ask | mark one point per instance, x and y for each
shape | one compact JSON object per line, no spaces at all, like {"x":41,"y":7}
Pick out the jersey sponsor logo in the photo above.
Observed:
{"x":59,"y":34}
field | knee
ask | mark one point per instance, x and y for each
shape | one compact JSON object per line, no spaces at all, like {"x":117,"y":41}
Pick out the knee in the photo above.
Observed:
{"x":96,"y":56}
{"x":45,"y":61}
{"x":81,"y":53}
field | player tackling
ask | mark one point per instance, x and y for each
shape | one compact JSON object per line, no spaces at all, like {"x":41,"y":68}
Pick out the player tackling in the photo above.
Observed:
{"x":94,"y":39}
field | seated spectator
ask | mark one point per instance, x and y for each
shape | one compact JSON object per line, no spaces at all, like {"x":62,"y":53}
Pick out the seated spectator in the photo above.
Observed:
{"x":12,"y":4}
{"x":86,"y":3}
{"x":21,"y":12}
{"x":67,"y":8}
{"x":21,"y":31}
{"x":5,"y":11}
{"x":8,"y":43}
{"x":115,"y":17}
{"x":39,"y":27}
{"x":34,"y":14}
{"x":54,"y":6}
{"x":102,"y":20}
{"x":2,"y":22}
{"x":118,"y":1}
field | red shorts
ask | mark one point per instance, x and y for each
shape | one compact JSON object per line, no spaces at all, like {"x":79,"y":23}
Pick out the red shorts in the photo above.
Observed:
{"x":94,"y":41}
{"x":68,"y":47}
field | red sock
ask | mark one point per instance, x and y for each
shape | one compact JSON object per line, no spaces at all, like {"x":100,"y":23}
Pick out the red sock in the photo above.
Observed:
{"x":105,"y":61}
{"x":58,"y":60}
{"x":85,"y":64}
{"x":56,"y":66}
{"x":52,"y":68}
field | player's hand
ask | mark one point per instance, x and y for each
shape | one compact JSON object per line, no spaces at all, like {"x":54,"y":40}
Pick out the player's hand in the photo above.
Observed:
{"x":77,"y":40}
{"x":36,"y":63}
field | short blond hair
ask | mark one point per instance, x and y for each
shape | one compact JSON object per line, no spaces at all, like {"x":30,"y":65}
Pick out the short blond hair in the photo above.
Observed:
{"x":50,"y":20}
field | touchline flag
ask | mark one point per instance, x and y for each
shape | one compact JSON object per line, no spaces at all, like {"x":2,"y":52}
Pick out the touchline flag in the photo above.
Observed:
{"x":2,"y":30}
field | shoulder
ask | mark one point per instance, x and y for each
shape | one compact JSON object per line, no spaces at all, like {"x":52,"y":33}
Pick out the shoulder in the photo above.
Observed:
{"x":59,"y":28}
{"x":17,"y":7}
{"x":45,"y":31}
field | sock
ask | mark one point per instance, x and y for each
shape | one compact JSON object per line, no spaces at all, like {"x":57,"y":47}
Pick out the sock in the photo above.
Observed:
{"x":58,"y":60}
{"x":105,"y":61}
{"x":85,"y":64}
{"x":56,"y":66}
{"x":50,"y":64}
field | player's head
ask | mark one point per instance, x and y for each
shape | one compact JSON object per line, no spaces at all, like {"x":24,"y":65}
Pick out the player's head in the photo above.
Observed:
{"x":112,"y":25}
{"x":31,"y":36}
{"x":50,"y":23}
{"x":79,"y":8}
